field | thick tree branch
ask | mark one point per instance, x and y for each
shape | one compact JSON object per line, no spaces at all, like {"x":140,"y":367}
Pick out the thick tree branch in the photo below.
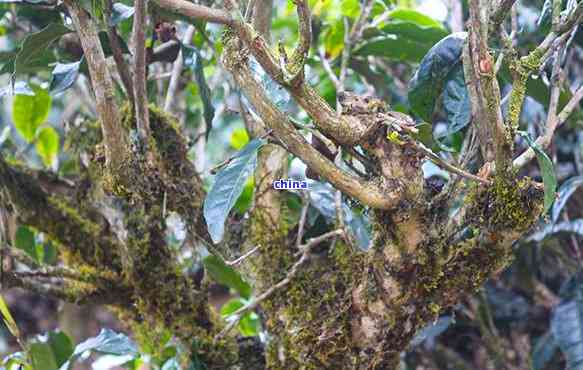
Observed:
{"x":193,"y":11}
{"x":375,"y":194}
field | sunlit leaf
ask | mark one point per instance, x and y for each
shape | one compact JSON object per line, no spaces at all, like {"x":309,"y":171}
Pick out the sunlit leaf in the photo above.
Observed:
{"x":29,"y":112}
{"x":47,"y":145}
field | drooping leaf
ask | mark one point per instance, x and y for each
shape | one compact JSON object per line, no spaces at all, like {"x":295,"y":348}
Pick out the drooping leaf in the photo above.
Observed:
{"x":543,"y":351}
{"x":194,"y":60}
{"x":427,"y":83}
{"x":47,"y":145}
{"x":29,"y":112}
{"x":547,"y":172}
{"x":565,"y":191}
{"x":121,"y":12}
{"x":567,"y":329}
{"x":432,"y":330}
{"x":226,"y":275}
{"x":34,"y":45}
{"x":456,"y":101}
{"x":8,"y":319}
{"x":107,"y":342}
{"x":228,"y":186}
{"x":64,"y":76}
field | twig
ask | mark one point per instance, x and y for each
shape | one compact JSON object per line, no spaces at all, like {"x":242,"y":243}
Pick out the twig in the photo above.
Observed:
{"x":236,"y":316}
{"x":445,"y":165}
{"x":228,"y":160}
{"x":243,"y":257}
{"x":303,"y":217}
{"x":176,"y":71}
{"x":140,"y":66}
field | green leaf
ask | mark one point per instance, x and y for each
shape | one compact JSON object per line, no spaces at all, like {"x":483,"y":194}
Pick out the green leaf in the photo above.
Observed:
{"x":567,"y":329}
{"x":239,"y":138}
{"x":547,"y":172}
{"x":107,"y":342}
{"x":456,"y":101}
{"x":120,"y":13}
{"x":393,"y":47}
{"x":414,"y":16}
{"x":543,"y":351}
{"x":8,"y":319}
{"x":34,"y":46}
{"x":42,"y":356}
{"x":228,"y":186}
{"x":429,"y":79}
{"x":24,"y":240}
{"x":47,"y":145}
{"x":64,"y":76}
{"x":350,"y":8}
{"x":249,"y":324}
{"x":194,"y":60}
{"x":245,"y":199}
{"x":565,"y":191}
{"x":334,"y":39}
{"x":226,"y":275}
{"x":61,"y":346}
{"x":29,"y":112}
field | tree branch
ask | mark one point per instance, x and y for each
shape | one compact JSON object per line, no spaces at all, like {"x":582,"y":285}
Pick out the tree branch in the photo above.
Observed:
{"x":107,"y":108}
{"x":140,"y":70}
{"x":193,"y":11}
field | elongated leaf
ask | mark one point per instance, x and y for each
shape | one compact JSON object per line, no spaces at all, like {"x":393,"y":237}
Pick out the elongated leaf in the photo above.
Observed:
{"x":543,"y":351}
{"x":107,"y":342}
{"x":29,"y":112}
{"x":193,"y":59}
{"x":407,"y":14}
{"x":565,"y":191}
{"x":35,"y":45}
{"x":226,"y":275}
{"x":47,"y":145}
{"x":427,"y":83}
{"x":120,"y":13}
{"x":567,"y":329}
{"x":456,"y":101}
{"x":228,"y":186}
{"x":64,"y":76}
{"x":394,"y":47}
{"x":547,"y":172}
{"x":8,"y":319}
